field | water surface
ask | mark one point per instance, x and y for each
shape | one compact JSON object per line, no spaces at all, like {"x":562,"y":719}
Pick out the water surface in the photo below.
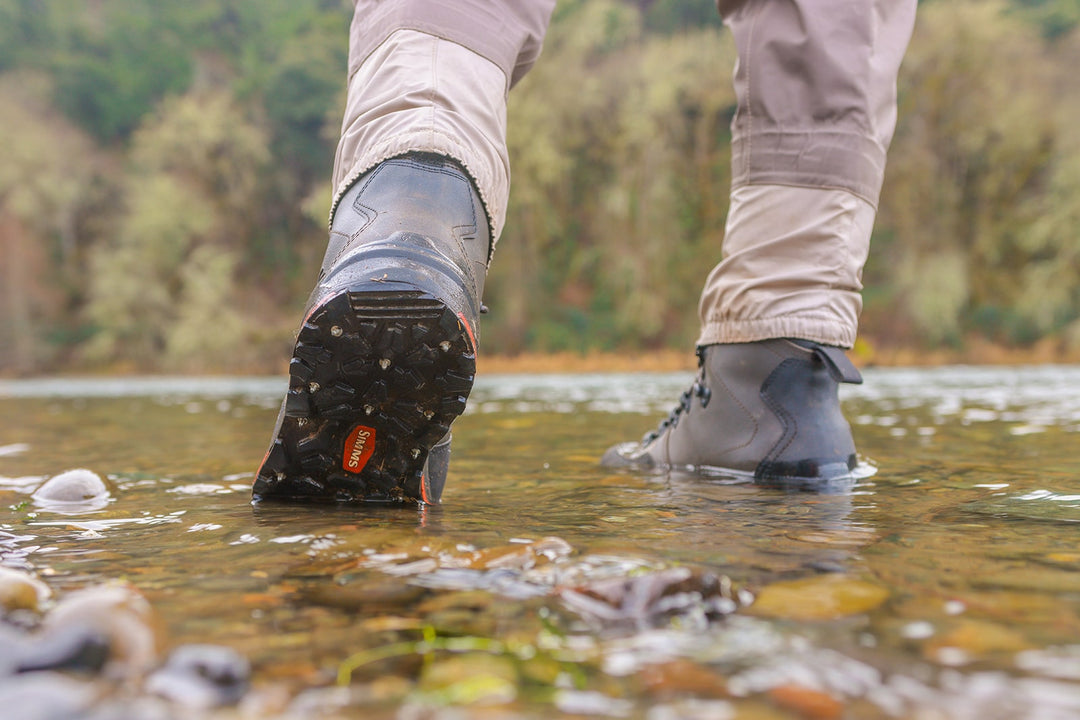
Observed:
{"x":946,"y":585}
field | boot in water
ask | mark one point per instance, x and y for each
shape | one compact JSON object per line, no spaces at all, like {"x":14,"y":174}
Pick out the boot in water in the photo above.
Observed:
{"x":767,"y":409}
{"x":386,"y":354}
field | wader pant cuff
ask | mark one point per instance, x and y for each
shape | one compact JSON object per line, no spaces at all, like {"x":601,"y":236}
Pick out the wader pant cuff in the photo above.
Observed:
{"x":432,"y":76}
{"x":792,"y":267}
{"x":420,"y":93}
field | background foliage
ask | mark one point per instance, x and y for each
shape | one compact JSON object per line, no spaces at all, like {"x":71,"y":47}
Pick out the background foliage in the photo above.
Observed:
{"x":164,"y":177}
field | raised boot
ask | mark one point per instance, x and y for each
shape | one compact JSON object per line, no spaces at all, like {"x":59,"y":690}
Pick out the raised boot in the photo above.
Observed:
{"x":386,"y":354}
{"x":767,"y":409}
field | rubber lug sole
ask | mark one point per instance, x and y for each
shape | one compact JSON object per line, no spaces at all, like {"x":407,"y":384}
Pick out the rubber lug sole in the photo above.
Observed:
{"x":376,"y":379}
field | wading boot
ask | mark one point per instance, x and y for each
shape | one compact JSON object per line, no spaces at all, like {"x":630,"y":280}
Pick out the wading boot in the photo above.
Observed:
{"x":767,"y":409}
{"x":386,"y":354}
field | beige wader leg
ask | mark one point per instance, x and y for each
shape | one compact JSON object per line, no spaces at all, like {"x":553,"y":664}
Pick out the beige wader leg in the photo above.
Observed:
{"x":816,"y":86}
{"x":431,"y":76}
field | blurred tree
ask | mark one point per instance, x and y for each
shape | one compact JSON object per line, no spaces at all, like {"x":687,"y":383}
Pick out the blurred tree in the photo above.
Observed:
{"x":673,"y":16}
{"x":619,"y":146}
{"x":620,"y":185}
{"x":665,"y":208}
{"x":165,"y":286}
{"x":1055,"y":18}
{"x":289,"y":61}
{"x":44,"y":178}
{"x":970,"y":156}
{"x":558,"y":132}
{"x":26,"y":29}
{"x":117,"y":60}
{"x":1049,"y":300}
{"x":301,"y":57}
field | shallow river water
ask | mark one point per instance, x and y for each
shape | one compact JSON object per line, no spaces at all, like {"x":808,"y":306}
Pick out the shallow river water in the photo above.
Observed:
{"x":945,"y":585}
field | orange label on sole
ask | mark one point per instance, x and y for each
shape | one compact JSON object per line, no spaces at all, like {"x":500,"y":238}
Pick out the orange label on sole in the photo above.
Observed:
{"x":358,"y":448}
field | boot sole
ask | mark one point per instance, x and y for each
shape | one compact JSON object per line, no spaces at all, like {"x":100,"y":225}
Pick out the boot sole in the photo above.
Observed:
{"x":377,"y":377}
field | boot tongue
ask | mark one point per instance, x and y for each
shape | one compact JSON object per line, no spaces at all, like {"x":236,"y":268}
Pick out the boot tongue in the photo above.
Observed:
{"x":840,"y":367}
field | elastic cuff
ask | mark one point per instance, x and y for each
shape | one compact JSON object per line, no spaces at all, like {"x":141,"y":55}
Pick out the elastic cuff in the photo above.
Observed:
{"x":826,"y":331}
{"x":420,"y":93}
{"x":440,"y":144}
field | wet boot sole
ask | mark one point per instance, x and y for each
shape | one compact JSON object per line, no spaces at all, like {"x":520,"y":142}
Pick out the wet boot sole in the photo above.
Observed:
{"x":376,"y":379}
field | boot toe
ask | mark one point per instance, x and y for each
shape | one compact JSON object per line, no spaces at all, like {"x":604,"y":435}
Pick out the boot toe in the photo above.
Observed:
{"x":628,"y":455}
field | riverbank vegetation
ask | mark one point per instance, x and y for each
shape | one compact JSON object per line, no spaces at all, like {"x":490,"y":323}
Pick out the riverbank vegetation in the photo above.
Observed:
{"x":164,"y":182}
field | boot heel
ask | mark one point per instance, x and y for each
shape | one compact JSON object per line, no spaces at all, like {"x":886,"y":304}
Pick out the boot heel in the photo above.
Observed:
{"x":376,"y":379}
{"x":386,"y":355}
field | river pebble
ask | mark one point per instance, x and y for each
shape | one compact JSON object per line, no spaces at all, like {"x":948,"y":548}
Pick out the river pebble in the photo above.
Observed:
{"x":76,"y":489}
{"x":975,"y":639}
{"x":807,"y":702}
{"x":81,"y":648}
{"x":202,"y":676}
{"x":12,"y":646}
{"x":681,"y":677}
{"x":46,"y":696}
{"x":21,"y":591}
{"x":88,"y":656}
{"x":822,"y":597}
{"x":472,"y":678}
{"x":117,"y":614}
{"x":653,"y":599}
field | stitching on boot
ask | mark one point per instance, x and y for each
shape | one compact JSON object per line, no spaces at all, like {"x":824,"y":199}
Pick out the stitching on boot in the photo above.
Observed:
{"x":356,"y":206}
{"x":408,"y":162}
{"x":369,"y":214}
{"x":746,"y":410}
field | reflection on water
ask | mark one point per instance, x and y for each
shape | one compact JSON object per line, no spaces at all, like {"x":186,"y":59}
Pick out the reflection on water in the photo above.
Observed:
{"x":948,"y":584}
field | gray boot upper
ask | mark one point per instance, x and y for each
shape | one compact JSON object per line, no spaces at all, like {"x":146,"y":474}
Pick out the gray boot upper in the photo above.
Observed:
{"x":419,"y":204}
{"x":769,"y":408}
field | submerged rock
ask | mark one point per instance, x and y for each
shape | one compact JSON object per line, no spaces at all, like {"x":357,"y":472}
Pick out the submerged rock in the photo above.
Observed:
{"x":129,"y":708}
{"x":77,"y":490}
{"x":807,"y":702}
{"x":46,"y":696}
{"x":823,"y":597}
{"x":653,"y":599}
{"x":21,"y":591}
{"x":970,"y":639}
{"x":80,"y":649}
{"x":89,"y":656}
{"x":680,"y":677}
{"x":114,"y":616}
{"x":12,"y":647}
{"x":202,"y":676}
{"x":471,"y":679}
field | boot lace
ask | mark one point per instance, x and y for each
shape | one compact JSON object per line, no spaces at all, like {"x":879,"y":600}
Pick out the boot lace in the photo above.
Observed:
{"x":697,"y":390}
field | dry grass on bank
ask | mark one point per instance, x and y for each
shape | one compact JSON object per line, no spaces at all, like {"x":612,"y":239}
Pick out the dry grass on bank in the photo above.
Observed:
{"x":592,"y":362}
{"x":867,"y":353}
{"x":975,"y":351}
